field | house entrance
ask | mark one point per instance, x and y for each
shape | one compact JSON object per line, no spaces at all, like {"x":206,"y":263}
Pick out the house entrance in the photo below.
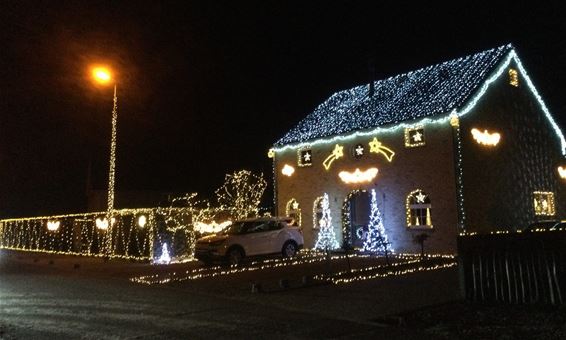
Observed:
{"x":355,"y":217}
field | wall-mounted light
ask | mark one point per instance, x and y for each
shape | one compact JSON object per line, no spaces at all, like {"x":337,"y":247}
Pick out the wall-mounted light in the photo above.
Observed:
{"x":288,"y":170}
{"x":486,"y":137}
{"x":358,"y":176}
{"x":53,"y":225}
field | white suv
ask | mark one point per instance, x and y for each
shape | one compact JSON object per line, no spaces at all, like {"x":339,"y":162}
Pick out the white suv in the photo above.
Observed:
{"x":258,"y":236}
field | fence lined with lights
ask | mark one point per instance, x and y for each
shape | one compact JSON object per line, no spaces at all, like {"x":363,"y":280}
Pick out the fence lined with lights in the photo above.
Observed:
{"x":131,"y":234}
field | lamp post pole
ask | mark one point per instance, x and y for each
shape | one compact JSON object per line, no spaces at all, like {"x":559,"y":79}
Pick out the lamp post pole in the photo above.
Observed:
{"x":111,"y":173}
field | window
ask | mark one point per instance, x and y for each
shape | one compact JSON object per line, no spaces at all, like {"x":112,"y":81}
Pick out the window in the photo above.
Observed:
{"x":304,"y":156}
{"x":414,"y":137}
{"x":544,"y":203}
{"x":317,"y":212}
{"x":418,"y":210}
{"x":293,"y":210}
{"x":513,"y":77}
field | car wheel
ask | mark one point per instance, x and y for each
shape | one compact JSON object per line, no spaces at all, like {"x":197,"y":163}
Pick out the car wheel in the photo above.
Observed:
{"x":289,"y":249}
{"x":235,"y":257}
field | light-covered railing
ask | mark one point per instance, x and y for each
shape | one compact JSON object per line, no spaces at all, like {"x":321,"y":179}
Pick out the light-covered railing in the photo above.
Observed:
{"x":138,"y":234}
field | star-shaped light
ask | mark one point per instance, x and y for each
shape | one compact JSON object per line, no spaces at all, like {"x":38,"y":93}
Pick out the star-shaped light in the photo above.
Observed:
{"x":374,"y":145}
{"x":338,"y":151}
{"x":359,"y":150}
{"x":307,"y":156}
{"x":418,"y":137}
{"x":295,"y":205}
{"x":420,"y":197}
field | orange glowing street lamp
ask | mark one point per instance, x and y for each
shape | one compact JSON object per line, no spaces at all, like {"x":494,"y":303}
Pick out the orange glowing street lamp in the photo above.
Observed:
{"x":103,"y":76}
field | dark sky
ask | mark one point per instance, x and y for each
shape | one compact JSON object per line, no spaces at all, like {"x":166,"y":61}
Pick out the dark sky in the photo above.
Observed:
{"x":205,"y":87}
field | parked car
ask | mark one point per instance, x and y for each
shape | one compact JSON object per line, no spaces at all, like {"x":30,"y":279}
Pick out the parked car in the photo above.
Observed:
{"x":550,"y":225}
{"x":251,"y":237}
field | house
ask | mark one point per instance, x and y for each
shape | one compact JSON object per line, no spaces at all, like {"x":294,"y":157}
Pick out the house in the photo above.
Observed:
{"x":465,"y":146}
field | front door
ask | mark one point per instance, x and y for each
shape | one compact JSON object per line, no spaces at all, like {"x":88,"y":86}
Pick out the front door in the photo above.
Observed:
{"x":359,"y":210}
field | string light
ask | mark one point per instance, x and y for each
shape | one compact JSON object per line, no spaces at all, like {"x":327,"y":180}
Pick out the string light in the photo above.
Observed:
{"x":346,"y":218}
{"x":421,"y":202}
{"x":376,"y":240}
{"x":375,"y":146}
{"x":53,"y":225}
{"x":241,"y":194}
{"x":316,"y":209}
{"x":292,"y":209}
{"x":326,"y":239}
{"x":513,"y":77}
{"x":485,"y":137}
{"x":213,"y":227}
{"x":142,"y":221}
{"x":288,"y":170}
{"x":304,"y":156}
{"x":358,"y":176}
{"x":544,"y":203}
{"x":352,"y":113}
{"x":337,"y":153}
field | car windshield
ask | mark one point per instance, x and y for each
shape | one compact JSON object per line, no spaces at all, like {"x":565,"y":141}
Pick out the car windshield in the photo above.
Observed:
{"x":234,"y":228}
{"x":243,"y":227}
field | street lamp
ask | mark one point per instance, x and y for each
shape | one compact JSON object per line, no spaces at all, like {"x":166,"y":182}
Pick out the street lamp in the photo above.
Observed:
{"x":102,"y":75}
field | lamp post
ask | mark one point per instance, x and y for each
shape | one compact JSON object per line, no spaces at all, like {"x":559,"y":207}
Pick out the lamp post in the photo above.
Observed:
{"x":103,"y":76}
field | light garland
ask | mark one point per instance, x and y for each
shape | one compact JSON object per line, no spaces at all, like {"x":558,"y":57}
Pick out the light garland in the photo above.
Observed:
{"x":485,"y":137}
{"x":53,"y":225}
{"x":513,"y":77}
{"x":337,"y":153}
{"x":326,"y":239}
{"x":213,"y":227}
{"x":421,"y":204}
{"x":544,"y":203}
{"x":358,"y":176}
{"x":376,"y":240}
{"x":375,"y":146}
{"x":321,"y":127}
{"x":293,"y":209}
{"x":414,"y":136}
{"x":346,"y":218}
{"x":241,"y":194}
{"x":304,"y":257}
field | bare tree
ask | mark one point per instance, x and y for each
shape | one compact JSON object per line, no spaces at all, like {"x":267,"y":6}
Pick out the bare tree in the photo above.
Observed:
{"x":241,"y":193}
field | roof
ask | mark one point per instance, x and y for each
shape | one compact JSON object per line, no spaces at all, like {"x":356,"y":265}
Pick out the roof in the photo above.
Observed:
{"x":433,"y":90}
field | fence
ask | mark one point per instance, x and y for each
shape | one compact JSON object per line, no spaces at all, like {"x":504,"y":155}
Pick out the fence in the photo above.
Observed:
{"x":132,"y":234}
{"x":514,"y":268}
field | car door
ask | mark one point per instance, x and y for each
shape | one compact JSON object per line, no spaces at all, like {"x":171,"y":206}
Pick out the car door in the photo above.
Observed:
{"x":257,"y":238}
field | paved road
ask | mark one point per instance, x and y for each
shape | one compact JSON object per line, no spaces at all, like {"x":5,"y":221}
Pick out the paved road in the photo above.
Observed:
{"x":39,"y":300}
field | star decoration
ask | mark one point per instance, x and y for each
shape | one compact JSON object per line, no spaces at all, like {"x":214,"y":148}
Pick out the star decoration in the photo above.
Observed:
{"x":420,"y":197}
{"x":338,"y":151}
{"x":295,"y":205}
{"x":359,"y":150}
{"x":307,"y":156}
{"x":374,"y":145}
{"x":418,"y":137}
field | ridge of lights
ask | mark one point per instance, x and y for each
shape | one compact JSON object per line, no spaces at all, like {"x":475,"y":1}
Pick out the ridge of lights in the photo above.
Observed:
{"x":512,"y":55}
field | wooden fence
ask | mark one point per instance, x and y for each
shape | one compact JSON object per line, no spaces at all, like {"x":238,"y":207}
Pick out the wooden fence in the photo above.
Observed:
{"x":514,"y":268}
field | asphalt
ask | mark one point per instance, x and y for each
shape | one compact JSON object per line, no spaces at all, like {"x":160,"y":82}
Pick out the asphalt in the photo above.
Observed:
{"x":49,"y":296}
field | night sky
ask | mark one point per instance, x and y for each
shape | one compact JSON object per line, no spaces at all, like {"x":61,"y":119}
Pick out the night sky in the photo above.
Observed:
{"x":205,"y":88}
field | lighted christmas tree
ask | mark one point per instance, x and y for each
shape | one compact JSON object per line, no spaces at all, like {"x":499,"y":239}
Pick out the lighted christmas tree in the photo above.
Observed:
{"x":376,"y":238}
{"x":326,"y":237}
{"x":165,"y":258}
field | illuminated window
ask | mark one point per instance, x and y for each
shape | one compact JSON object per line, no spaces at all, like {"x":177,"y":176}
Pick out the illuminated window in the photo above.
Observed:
{"x":414,"y":137}
{"x":304,"y":157}
{"x":317,"y":212}
{"x":418,"y":210}
{"x":293,"y":210}
{"x":513,"y":77}
{"x":544,"y":203}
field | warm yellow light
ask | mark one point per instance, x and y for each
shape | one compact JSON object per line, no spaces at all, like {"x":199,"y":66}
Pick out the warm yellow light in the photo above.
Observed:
{"x":562,"y":172}
{"x":101,"y":224}
{"x":358,"y":176}
{"x":485,"y":137}
{"x":53,"y":225}
{"x":375,"y":146}
{"x":271,"y":153}
{"x":142,"y":220}
{"x":338,"y":152}
{"x":212,"y":227}
{"x":101,"y":75}
{"x":287,"y":170}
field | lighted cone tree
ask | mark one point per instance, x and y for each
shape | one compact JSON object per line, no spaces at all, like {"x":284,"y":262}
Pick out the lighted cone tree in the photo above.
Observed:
{"x":376,"y":237}
{"x":326,"y":238}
